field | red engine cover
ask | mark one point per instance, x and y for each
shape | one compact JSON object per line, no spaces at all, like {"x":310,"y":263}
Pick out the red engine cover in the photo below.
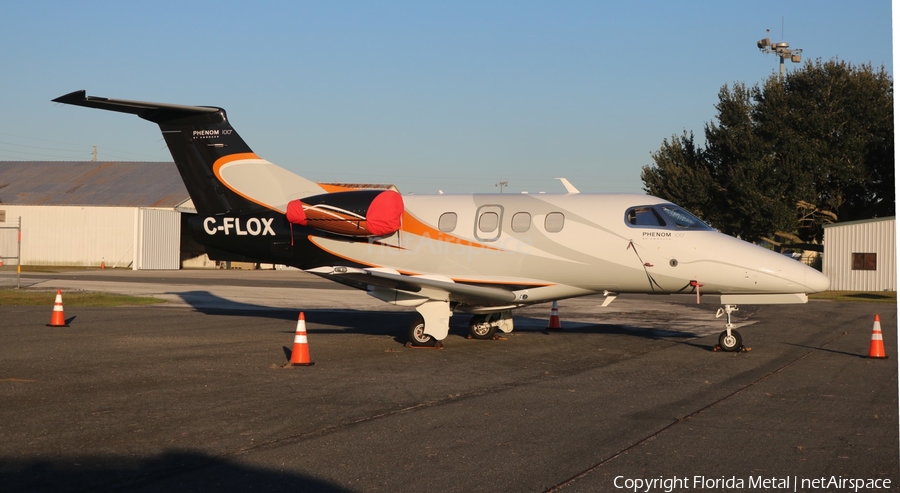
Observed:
{"x":353,"y":213}
{"x":295,"y":213}
{"x":385,"y":211}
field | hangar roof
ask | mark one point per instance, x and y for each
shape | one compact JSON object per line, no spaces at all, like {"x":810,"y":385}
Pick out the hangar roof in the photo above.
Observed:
{"x":88,"y":183}
{"x":860,"y":221}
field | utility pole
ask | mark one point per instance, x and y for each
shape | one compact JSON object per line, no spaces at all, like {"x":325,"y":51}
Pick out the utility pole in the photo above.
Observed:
{"x":501,"y":185}
{"x":95,"y":155}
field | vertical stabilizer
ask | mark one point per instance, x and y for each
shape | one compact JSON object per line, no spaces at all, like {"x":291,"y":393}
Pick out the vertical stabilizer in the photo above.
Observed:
{"x":221,"y":173}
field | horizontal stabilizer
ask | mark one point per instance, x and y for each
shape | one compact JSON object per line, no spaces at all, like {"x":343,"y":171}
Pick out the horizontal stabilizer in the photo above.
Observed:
{"x":155,"y":112}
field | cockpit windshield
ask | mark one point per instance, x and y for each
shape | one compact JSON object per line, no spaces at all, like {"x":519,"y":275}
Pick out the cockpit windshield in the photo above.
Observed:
{"x":664,"y":216}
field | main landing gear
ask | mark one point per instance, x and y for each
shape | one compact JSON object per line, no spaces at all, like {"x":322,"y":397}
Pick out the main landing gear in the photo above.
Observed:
{"x":417,"y":335}
{"x":432,"y":324}
{"x":730,"y":339}
{"x":481,"y":326}
{"x":485,"y":326}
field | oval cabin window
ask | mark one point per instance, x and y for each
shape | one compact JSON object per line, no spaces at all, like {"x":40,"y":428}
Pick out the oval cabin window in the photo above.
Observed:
{"x":521,"y":222}
{"x":554,"y":222}
{"x":488,"y":222}
{"x":447,"y":222}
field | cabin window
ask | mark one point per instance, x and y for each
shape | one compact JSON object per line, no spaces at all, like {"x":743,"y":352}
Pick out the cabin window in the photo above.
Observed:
{"x":521,"y":222}
{"x":554,"y":222}
{"x":447,"y":222}
{"x":681,"y":218}
{"x":865,"y":261}
{"x":488,"y":221}
{"x":668,"y":216}
{"x":644,"y":216}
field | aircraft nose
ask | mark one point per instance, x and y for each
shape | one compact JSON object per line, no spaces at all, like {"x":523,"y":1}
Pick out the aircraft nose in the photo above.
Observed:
{"x":816,"y":281}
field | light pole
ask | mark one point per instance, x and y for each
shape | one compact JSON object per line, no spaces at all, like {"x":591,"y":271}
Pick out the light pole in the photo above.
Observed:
{"x":781,"y":50}
{"x":501,"y":185}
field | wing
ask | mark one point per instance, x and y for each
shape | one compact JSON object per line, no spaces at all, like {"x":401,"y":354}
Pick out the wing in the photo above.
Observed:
{"x":431,"y":287}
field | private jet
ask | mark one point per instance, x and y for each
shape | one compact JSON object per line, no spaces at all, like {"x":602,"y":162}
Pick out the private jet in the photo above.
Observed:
{"x":481,"y":254}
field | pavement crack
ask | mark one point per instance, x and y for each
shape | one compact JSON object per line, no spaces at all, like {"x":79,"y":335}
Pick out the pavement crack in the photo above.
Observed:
{"x":687,"y":417}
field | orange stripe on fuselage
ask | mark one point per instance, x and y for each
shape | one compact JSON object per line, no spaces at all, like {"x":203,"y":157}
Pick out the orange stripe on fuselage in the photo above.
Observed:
{"x":412,"y":225}
{"x":222,"y":161}
{"x":335,"y":188}
{"x":501,"y":283}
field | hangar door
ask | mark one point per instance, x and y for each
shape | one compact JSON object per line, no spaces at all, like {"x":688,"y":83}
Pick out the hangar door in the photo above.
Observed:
{"x":157,"y":239}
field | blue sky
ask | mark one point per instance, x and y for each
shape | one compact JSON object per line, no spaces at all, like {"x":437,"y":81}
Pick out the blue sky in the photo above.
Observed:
{"x":455,"y":96}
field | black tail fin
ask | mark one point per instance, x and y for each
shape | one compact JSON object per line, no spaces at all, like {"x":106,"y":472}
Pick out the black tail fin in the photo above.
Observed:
{"x":197,"y":136}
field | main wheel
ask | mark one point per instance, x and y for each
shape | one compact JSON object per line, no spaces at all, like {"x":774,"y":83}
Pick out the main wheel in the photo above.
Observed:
{"x":480,"y":328}
{"x":730,"y":343}
{"x":417,"y":335}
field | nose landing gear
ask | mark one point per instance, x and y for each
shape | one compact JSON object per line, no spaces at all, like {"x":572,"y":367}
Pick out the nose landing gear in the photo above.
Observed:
{"x":729,"y":340}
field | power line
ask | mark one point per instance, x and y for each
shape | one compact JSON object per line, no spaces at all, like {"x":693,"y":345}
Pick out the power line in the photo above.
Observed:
{"x":36,"y":147}
{"x":76,"y":147}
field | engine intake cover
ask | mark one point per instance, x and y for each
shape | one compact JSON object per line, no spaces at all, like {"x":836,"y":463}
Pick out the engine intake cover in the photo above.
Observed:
{"x":352,"y":213}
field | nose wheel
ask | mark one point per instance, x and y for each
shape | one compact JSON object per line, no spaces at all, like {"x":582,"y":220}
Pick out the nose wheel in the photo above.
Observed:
{"x":730,"y":339}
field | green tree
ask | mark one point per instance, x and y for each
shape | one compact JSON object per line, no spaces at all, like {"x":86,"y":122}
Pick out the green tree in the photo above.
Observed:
{"x":783,"y":158}
{"x":680,"y":174}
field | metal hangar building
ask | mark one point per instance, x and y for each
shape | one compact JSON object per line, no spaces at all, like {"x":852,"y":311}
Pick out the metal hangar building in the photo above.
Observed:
{"x":123,"y":214}
{"x":861,"y":255}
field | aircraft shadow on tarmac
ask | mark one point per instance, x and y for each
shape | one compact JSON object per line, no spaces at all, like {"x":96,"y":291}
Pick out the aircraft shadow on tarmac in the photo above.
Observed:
{"x":395,"y":323}
{"x":652,"y":333}
{"x":174,"y":471}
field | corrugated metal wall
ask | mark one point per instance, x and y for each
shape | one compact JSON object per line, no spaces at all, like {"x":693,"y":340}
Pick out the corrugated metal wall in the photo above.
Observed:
{"x":85,"y":236}
{"x":158,"y":237}
{"x":74,"y":236}
{"x":9,"y":239}
{"x":843,"y":240}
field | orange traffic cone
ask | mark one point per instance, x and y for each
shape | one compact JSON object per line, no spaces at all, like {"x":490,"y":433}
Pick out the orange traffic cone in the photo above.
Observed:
{"x":300,"y":353}
{"x":554,"y":317}
{"x":102,"y":263}
{"x":876,"y":348}
{"x":58,"y":319}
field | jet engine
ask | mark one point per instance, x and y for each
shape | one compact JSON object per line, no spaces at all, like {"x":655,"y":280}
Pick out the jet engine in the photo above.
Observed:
{"x":352,"y":213}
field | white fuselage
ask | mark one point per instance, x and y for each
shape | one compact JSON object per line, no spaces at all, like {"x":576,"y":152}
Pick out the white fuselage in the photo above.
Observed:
{"x":556,"y":246}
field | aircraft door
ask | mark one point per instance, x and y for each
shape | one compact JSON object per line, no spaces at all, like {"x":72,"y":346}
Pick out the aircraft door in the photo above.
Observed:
{"x":652,"y":245}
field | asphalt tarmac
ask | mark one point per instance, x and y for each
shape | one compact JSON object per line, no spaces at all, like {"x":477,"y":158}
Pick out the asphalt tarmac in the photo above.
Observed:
{"x":191,"y":395}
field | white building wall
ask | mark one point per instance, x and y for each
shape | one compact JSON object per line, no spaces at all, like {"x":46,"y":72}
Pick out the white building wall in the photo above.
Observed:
{"x":86,"y":236}
{"x":843,"y":240}
{"x":8,"y":239}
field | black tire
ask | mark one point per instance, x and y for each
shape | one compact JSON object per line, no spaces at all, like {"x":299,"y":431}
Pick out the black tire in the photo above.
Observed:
{"x":479,"y":328}
{"x":417,"y":335}
{"x":730,"y":344}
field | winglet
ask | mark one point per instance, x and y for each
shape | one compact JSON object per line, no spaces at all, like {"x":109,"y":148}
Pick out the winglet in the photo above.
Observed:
{"x":569,"y":187}
{"x":72,"y":98}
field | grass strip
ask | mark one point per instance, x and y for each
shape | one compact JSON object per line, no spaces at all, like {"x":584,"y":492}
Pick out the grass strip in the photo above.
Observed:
{"x":860,"y":296}
{"x":22,"y":297}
